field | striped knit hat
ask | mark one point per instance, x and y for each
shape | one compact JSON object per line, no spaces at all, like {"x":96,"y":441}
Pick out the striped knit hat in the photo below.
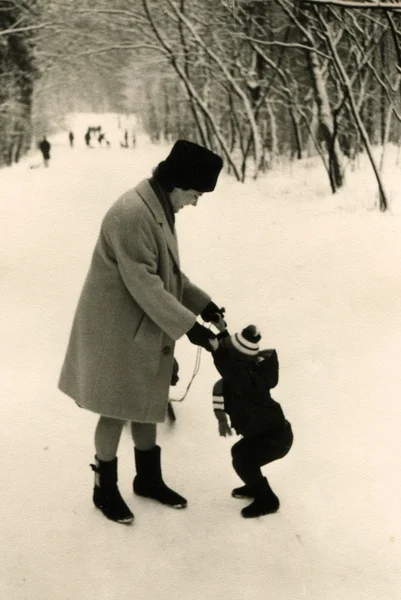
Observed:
{"x":244,"y":344}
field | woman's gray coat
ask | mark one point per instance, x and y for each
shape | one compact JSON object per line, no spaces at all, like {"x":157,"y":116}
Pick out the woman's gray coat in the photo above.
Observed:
{"x":134,"y":304}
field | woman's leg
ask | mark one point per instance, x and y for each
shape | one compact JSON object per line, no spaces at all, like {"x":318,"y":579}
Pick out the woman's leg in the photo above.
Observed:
{"x":144,"y":435}
{"x":107,"y":437}
{"x":106,"y":495}
{"x":149,"y":479}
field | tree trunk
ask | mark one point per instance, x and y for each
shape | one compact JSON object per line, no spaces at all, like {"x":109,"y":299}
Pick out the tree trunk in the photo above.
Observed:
{"x":297,"y":133}
{"x":273,"y":133}
{"x":257,"y":145}
{"x":383,"y":204}
{"x":326,"y":122}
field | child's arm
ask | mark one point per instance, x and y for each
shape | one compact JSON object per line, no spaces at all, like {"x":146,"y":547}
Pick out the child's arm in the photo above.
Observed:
{"x":218,"y":408}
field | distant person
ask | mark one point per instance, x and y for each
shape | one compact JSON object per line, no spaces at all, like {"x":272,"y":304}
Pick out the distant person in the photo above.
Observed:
{"x":101,"y":138}
{"x":44,"y":147}
{"x":124,"y":144}
{"x":88,"y":138}
{"x":133,"y":139}
{"x":71,"y":138}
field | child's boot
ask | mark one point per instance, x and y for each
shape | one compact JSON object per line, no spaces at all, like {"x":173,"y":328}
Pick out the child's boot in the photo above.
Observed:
{"x":149,"y":481}
{"x":106,"y":495}
{"x":265,"y":502}
{"x":244,"y":491}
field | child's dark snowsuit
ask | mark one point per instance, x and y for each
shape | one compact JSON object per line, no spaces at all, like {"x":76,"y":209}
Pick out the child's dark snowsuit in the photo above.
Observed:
{"x":244,"y":394}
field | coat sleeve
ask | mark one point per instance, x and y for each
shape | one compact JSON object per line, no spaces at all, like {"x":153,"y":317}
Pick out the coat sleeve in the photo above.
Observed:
{"x":193,"y":297}
{"x":136,"y":252}
{"x":226,"y":366}
{"x":218,"y":399}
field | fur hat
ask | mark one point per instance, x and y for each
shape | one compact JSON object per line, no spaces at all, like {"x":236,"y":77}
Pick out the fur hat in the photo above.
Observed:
{"x":244,"y":344}
{"x":190,"y":167}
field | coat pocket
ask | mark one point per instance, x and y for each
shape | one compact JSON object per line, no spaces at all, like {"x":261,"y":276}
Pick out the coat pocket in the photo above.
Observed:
{"x":138,"y":327}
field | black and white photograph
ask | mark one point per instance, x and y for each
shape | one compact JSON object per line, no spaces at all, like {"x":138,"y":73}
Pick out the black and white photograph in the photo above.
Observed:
{"x":200,"y":299}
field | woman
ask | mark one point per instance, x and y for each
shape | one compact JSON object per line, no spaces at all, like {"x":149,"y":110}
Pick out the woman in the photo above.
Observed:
{"x":134,"y":305}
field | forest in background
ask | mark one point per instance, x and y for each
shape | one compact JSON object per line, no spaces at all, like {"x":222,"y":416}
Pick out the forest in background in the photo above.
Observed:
{"x":258,"y":81}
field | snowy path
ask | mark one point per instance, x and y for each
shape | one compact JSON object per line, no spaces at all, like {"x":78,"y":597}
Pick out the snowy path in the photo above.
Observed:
{"x":324,"y":287}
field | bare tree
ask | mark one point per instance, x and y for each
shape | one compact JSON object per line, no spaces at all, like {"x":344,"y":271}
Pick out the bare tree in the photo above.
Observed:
{"x":252,"y":79}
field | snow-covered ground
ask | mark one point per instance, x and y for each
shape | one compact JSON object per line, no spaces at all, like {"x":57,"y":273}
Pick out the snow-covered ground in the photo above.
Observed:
{"x":320,"y":276}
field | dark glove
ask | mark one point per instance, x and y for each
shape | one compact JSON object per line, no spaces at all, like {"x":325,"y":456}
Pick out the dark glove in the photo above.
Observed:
{"x":201,"y":336}
{"x":174,"y":375}
{"x":211,"y":309}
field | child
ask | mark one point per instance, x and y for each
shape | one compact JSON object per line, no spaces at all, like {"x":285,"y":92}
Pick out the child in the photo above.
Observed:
{"x":243,"y":394}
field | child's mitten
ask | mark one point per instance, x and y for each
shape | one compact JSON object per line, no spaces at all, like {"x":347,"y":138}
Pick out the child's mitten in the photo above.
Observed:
{"x":201,"y":336}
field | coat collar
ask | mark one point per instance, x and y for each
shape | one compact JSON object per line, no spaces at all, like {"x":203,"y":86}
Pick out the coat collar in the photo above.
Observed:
{"x":146,"y":192}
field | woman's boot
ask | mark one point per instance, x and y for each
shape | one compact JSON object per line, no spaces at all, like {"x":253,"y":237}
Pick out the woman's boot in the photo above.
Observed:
{"x":265,"y":502}
{"x":149,"y":481}
{"x":106,"y":495}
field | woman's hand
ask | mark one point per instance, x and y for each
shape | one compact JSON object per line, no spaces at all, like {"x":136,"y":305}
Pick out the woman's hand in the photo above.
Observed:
{"x":211,"y":309}
{"x":201,"y":336}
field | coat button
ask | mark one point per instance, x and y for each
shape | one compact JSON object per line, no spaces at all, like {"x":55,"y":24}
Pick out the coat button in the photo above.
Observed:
{"x":166,"y":350}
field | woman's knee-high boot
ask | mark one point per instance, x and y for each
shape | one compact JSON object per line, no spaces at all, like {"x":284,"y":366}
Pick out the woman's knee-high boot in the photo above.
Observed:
{"x":106,"y":495}
{"x":149,"y":480}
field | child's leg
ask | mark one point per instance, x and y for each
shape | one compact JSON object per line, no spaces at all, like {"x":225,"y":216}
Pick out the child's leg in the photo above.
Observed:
{"x":274,"y":448}
{"x":249,"y":454}
{"x":245,"y":460}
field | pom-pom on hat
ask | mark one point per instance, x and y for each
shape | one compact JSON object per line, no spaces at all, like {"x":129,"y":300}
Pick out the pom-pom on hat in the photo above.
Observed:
{"x":244,"y":344}
{"x":191,"y":167}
